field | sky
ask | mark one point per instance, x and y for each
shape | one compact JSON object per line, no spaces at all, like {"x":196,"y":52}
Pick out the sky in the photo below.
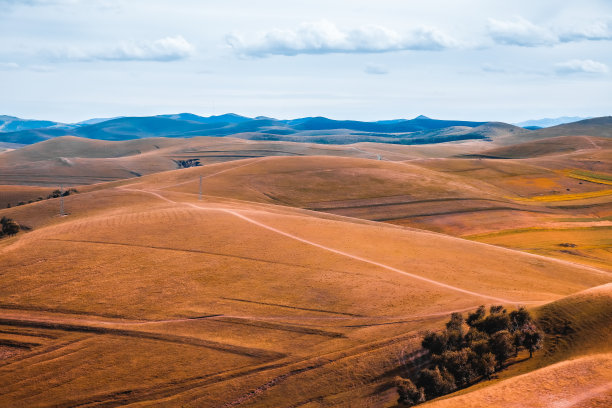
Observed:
{"x":71,"y":60}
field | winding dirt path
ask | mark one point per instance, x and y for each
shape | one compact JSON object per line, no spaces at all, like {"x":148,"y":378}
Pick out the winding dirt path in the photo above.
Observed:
{"x":361,"y":259}
{"x":329,"y":249}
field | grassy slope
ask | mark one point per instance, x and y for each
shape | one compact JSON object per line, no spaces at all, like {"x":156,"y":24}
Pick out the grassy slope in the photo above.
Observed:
{"x":73,"y":161}
{"x":138,"y":263}
{"x":574,"y":368}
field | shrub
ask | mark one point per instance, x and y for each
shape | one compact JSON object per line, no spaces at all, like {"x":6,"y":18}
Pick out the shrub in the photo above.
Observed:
{"x":460,"y":358}
{"x":519,"y":318}
{"x":484,"y":364}
{"x":532,"y":339}
{"x":435,"y":343}
{"x":501,"y":346}
{"x":479,"y":314}
{"x":494,"y":323}
{"x":458,"y":363}
{"x":9,"y":227}
{"x":436,"y":382}
{"x":409,"y":394}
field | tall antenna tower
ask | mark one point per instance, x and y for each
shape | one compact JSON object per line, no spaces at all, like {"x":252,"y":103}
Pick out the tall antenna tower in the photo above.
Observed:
{"x":200,"y":195}
{"x":62,"y":200}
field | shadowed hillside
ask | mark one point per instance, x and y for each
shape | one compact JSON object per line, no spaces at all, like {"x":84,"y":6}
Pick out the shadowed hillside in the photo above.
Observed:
{"x":577,"y":346}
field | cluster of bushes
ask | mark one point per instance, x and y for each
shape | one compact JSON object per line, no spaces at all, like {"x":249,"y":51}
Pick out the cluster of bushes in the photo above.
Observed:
{"x":54,"y":194}
{"x":470,"y":350}
{"x":9,"y":227}
{"x":185,"y":164}
{"x":58,"y":193}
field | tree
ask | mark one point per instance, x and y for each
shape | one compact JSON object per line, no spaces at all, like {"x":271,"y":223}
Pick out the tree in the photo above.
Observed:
{"x":501,"y":346}
{"x":455,"y":322}
{"x":493,"y":323}
{"x":436,"y":382}
{"x":518,"y":339}
{"x":8,"y":227}
{"x":484,"y":364}
{"x":519,"y":318}
{"x":459,"y":358}
{"x":494,"y":309}
{"x":435,"y":343}
{"x":409,"y":394}
{"x":532,"y":338}
{"x":458,"y":363}
{"x":479,"y":314}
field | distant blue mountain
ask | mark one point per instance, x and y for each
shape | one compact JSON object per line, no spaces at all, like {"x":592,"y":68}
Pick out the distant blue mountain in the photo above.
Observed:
{"x":311,"y":129}
{"x":226,"y":118}
{"x":548,"y":122}
{"x":13,"y":124}
{"x":314,"y":129}
{"x":414,"y":125}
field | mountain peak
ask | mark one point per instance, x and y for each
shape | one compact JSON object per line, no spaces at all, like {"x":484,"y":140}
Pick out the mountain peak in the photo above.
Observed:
{"x":422,"y":117}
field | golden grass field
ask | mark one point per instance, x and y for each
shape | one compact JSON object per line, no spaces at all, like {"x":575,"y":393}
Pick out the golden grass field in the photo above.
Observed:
{"x":302,"y":281}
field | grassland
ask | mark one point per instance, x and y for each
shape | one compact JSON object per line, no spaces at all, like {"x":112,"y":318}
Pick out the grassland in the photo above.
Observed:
{"x":295,"y":281}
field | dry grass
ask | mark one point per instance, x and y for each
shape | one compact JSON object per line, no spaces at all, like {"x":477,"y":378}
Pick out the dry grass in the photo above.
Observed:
{"x":148,"y":296}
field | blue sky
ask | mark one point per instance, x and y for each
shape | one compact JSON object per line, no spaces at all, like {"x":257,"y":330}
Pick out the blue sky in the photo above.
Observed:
{"x":70,"y":60}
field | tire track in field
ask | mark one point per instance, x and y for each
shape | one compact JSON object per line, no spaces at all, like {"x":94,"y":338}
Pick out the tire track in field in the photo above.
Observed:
{"x":196,"y":251}
{"x":170,"y":338}
{"x":171,"y":389}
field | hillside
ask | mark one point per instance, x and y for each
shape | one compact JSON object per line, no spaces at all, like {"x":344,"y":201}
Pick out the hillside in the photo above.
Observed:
{"x":74,"y":161}
{"x":550,"y":146}
{"x":122,"y":300}
{"x":579,"y":346}
{"x":596,"y":127}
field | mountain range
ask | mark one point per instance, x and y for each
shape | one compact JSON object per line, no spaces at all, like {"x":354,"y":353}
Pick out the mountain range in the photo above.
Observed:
{"x":420,"y":130}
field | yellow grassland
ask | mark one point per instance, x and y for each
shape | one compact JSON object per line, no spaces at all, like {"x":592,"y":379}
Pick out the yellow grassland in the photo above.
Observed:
{"x":146,"y":296}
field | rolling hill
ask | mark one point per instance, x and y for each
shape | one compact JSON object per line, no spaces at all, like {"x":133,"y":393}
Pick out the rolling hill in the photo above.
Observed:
{"x":306,"y":273}
{"x":144,"y":294}
{"x":73,"y":161}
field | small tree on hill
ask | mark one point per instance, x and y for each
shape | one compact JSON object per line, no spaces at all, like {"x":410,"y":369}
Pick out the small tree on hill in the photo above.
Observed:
{"x":501,"y":346}
{"x":8,"y":227}
{"x":409,"y":394}
{"x":460,"y":358}
{"x":532,"y":339}
{"x":436,"y":382}
{"x":479,"y":314}
{"x":484,"y":364}
{"x":459,"y":364}
{"x":435,"y":343}
{"x":519,"y":318}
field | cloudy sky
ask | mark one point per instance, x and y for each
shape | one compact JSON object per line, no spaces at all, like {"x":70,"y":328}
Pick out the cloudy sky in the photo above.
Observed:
{"x":70,"y":60}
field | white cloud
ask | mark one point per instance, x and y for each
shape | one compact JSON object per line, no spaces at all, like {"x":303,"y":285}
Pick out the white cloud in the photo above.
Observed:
{"x":164,"y":49}
{"x":597,"y":31}
{"x":324,"y":37}
{"x":581,"y":66}
{"x":520,"y":32}
{"x":375,"y":69}
{"x":5,"y":66}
